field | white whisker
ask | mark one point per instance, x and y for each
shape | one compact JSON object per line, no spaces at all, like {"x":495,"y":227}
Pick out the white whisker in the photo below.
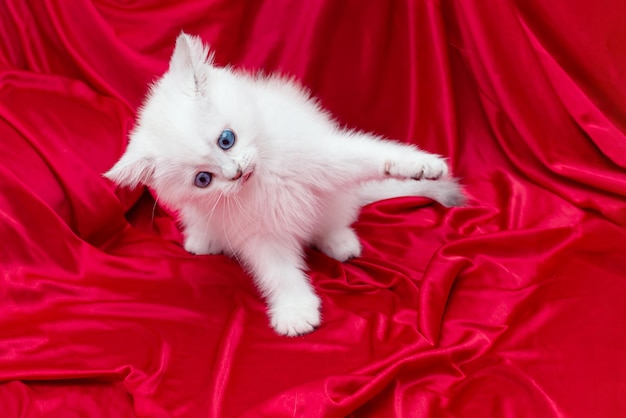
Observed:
{"x":228,"y":212}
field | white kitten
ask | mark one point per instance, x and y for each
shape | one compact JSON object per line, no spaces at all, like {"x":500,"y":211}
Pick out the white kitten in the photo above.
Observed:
{"x":257,"y":170}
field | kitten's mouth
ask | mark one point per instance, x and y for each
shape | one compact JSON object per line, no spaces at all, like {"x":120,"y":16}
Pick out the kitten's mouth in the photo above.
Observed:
{"x":246,"y":176}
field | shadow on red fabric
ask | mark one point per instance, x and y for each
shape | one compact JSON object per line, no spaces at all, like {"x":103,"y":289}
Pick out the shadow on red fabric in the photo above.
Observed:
{"x":512,"y":306}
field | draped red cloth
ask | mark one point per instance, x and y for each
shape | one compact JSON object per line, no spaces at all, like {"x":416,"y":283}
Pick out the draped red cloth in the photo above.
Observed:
{"x":514,"y":306}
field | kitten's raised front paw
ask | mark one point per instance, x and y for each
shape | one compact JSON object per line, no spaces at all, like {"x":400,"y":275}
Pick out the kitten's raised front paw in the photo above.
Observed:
{"x":422,"y":166}
{"x":342,"y":244}
{"x":295,"y":317}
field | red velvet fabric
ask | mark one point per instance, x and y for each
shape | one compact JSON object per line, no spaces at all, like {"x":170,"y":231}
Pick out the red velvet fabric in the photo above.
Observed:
{"x":513,"y":306}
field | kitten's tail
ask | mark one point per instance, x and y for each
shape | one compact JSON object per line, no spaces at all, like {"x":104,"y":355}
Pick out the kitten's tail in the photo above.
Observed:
{"x":447,"y":191}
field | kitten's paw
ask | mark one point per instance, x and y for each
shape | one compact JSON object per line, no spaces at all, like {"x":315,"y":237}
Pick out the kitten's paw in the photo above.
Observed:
{"x":342,"y":244}
{"x":422,"y":166}
{"x":296,"y":316}
{"x":198,"y":246}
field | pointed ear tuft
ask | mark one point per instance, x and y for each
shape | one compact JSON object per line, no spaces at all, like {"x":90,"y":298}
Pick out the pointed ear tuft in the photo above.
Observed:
{"x":131,"y":171}
{"x":191,"y":59}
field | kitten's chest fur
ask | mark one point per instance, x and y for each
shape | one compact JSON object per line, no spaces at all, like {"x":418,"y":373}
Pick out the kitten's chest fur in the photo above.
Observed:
{"x":267,"y":207}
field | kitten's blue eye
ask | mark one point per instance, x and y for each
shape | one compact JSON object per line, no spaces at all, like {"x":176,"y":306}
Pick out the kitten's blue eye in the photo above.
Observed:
{"x":226,"y":139}
{"x":203,"y":179}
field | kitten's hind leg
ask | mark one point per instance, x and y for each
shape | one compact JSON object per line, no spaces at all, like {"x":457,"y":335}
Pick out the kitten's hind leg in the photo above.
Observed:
{"x":335,"y":237}
{"x":341,"y":243}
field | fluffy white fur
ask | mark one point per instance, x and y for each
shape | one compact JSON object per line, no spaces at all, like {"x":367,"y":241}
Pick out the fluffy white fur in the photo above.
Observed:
{"x":292,"y":178}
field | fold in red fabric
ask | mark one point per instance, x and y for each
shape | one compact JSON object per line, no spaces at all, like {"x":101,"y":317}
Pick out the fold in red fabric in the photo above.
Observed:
{"x":512,"y":306}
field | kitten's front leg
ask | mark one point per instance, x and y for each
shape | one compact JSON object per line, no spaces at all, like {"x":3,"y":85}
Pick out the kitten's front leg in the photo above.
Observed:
{"x":293,"y":306}
{"x":197,"y":237}
{"x":373,"y":158}
{"x":419,"y":165}
{"x":197,"y":242}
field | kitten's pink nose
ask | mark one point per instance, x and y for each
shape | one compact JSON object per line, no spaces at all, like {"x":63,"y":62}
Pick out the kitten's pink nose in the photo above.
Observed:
{"x":238,"y":175}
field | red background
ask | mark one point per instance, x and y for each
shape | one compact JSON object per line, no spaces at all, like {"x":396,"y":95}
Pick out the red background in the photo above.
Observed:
{"x":514,"y":306}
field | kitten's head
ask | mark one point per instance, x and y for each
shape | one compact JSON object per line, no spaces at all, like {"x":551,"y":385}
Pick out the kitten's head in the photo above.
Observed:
{"x":195,"y":134}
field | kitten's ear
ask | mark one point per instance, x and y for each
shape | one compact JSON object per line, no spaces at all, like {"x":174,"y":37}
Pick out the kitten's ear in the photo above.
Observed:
{"x":131,"y":170}
{"x":191,"y":60}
